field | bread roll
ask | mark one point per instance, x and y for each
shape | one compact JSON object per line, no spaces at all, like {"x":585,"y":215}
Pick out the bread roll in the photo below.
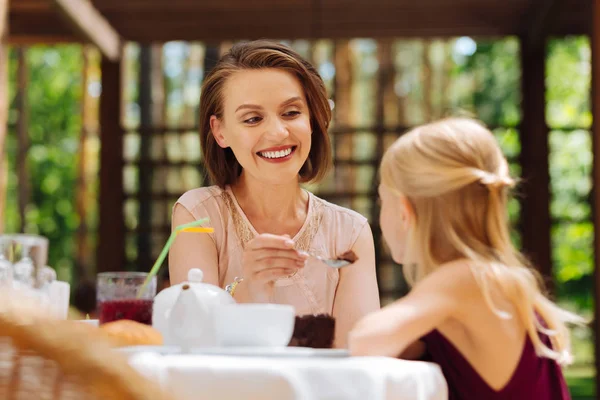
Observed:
{"x":125,"y":332}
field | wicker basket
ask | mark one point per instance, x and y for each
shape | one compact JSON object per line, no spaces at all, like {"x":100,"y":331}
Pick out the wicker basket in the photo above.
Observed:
{"x":43,"y":358}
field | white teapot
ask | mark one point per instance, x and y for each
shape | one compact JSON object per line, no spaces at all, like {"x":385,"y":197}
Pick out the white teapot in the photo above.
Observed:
{"x":184,"y":313}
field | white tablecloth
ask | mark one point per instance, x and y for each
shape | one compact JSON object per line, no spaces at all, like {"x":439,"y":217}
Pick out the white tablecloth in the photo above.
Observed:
{"x":202,"y":377}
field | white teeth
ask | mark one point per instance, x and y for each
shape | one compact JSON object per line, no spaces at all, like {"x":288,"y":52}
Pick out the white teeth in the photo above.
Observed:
{"x":276,"y":154}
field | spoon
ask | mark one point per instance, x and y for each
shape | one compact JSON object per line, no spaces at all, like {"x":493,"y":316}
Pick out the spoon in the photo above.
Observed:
{"x":344,"y":260}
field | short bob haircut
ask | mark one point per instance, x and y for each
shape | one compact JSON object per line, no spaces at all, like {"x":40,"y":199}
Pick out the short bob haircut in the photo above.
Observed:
{"x":223,"y":167}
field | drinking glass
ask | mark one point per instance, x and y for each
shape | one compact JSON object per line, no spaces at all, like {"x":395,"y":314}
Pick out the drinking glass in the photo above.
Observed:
{"x":120,"y":295}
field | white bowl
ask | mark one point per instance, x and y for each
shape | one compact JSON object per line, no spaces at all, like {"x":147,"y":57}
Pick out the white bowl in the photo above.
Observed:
{"x":261,"y":325}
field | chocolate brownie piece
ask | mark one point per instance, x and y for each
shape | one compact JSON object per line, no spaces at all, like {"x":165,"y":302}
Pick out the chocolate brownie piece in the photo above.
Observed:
{"x":316,"y":331}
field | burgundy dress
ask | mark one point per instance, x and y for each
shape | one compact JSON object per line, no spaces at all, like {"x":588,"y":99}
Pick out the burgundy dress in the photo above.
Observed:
{"x":535,"y":377}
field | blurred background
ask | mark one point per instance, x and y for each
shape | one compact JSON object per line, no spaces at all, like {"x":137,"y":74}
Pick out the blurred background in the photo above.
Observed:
{"x":101,"y":103}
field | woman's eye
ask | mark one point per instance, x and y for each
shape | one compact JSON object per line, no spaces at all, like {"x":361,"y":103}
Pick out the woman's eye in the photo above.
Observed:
{"x":291,"y":113}
{"x":253,"y":120}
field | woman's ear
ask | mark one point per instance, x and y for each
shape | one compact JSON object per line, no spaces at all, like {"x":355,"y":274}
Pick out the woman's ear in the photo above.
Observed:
{"x":216,"y":128}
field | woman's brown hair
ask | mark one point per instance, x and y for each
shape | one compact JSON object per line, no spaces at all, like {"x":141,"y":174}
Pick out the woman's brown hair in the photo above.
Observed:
{"x":222,"y":166}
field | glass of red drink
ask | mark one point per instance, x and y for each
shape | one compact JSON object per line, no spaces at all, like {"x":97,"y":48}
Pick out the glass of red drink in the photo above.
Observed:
{"x":120,"y":296}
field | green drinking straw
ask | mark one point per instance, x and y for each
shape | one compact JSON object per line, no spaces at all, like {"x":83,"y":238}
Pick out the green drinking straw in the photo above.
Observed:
{"x":165,"y":250}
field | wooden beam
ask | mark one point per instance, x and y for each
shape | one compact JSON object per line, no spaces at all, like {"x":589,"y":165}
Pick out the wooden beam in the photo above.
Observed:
{"x":535,"y":205}
{"x":83,"y":196}
{"x":38,"y":27}
{"x":384,"y":96}
{"x":211,"y":57}
{"x":595,"y":98}
{"x":543,"y":14}
{"x":92,"y":25}
{"x":150,"y":21}
{"x":426,"y":81}
{"x":24,"y":192}
{"x":3,"y":108}
{"x":3,"y":18}
{"x":345,"y":79}
{"x":111,"y":233}
{"x":145,"y":175}
{"x":30,"y":5}
{"x":27,"y":40}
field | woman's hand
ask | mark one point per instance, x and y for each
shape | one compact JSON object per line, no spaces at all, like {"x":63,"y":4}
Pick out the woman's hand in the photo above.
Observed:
{"x":266,"y":259}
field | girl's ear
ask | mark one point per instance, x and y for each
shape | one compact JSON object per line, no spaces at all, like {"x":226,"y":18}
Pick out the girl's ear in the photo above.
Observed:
{"x":407,"y":210}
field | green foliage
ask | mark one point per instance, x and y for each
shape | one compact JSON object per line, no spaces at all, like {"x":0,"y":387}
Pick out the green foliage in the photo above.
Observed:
{"x":568,"y":78}
{"x":496,"y":68}
{"x":54,"y":91}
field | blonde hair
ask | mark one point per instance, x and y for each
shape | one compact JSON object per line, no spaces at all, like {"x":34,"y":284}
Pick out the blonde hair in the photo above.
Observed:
{"x":456,"y":178}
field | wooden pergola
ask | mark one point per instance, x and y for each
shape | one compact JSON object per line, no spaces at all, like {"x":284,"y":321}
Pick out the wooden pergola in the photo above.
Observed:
{"x":110,"y":23}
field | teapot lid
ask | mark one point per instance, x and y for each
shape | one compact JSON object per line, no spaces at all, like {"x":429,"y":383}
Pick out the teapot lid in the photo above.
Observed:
{"x":195,"y":275}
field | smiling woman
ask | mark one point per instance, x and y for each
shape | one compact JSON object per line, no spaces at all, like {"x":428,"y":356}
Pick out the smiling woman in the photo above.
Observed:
{"x":272,"y":120}
{"x":264,"y":116}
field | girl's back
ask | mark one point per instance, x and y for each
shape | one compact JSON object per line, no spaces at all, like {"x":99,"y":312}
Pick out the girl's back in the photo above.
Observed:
{"x":533,"y":377}
{"x":484,"y":356}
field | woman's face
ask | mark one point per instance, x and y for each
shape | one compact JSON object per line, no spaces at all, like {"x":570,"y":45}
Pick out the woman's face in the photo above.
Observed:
{"x":266,"y":123}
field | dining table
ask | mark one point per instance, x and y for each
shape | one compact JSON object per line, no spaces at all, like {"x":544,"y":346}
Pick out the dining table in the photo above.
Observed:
{"x":235,"y":374}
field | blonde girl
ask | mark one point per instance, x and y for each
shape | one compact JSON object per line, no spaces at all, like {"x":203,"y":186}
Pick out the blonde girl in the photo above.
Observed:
{"x":476,"y":308}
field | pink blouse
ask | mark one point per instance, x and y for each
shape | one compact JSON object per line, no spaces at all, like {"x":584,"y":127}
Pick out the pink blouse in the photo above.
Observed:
{"x":328,"y":230}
